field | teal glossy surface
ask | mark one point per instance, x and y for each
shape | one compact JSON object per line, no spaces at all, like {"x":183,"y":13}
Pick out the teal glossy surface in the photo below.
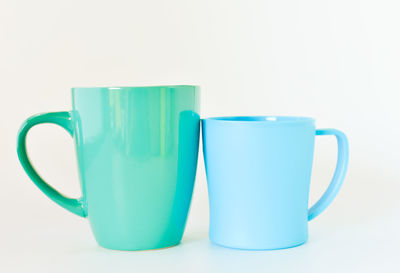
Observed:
{"x":137,"y":153}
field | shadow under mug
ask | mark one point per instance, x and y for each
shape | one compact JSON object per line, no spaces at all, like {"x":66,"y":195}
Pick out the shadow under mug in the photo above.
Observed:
{"x":137,"y":151}
{"x":258,"y":172}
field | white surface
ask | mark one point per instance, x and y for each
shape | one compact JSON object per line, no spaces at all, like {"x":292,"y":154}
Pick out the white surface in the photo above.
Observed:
{"x":337,"y":61}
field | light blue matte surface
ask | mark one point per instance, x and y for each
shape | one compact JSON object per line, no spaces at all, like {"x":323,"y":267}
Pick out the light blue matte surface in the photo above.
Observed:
{"x":259,"y":172}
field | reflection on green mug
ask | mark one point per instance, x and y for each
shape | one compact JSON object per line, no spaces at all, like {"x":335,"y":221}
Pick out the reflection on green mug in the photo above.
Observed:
{"x":137,"y":153}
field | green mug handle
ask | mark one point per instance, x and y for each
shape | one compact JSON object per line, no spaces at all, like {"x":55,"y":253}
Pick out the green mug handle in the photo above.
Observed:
{"x":64,"y":120}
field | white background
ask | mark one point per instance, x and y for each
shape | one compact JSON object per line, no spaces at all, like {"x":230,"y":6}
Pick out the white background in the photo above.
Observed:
{"x":335,"y":60}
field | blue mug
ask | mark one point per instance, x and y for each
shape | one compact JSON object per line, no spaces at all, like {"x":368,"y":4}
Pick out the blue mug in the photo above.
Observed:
{"x":258,"y":172}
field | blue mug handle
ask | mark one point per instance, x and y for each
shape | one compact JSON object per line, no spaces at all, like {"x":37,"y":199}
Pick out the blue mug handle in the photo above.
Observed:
{"x":339,"y":175}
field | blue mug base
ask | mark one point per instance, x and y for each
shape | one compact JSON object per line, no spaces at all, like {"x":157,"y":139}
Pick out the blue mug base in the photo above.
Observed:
{"x":266,"y":248}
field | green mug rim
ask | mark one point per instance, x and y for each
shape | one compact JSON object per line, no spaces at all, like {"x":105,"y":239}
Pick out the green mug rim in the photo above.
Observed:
{"x":133,"y":87}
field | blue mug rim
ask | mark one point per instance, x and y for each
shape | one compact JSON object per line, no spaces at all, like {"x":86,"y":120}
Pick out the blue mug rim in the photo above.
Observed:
{"x":261,"y":119}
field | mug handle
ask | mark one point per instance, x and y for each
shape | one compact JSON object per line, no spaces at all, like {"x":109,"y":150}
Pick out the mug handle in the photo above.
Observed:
{"x":339,"y":175}
{"x":64,"y":120}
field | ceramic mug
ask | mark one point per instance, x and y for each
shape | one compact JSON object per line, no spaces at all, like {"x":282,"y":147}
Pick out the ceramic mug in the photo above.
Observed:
{"x":137,"y":153}
{"x":258,"y":171}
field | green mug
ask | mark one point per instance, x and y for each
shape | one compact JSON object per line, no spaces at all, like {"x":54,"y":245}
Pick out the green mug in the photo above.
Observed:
{"x":137,"y":153}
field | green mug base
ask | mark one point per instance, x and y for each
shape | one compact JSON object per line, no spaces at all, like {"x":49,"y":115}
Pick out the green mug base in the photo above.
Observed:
{"x":133,"y":248}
